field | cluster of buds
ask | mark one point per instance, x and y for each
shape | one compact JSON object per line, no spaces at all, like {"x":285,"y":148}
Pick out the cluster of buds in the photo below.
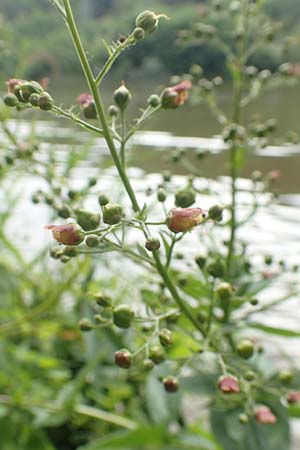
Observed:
{"x":23,"y":92}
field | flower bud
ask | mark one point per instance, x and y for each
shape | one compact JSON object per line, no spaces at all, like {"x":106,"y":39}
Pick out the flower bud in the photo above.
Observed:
{"x":165,"y":337}
{"x":249,"y":376}
{"x":196,"y":71}
{"x":152,"y":244}
{"x":161,"y":195}
{"x":102,"y":300}
{"x":216,"y":213}
{"x":103,"y":199}
{"x":123,"y":316}
{"x":34,"y":99}
{"x":185,"y":197}
{"x":225,"y":291}
{"x":113,"y":111}
{"x":200,"y":260}
{"x":148,"y":364}
{"x":112,"y":213}
{"x":156,"y":354}
{"x":87,"y":105}
{"x":92,"y":240}
{"x":229,"y":384}
{"x":293,"y":397}
{"x":243,"y":418}
{"x":216,"y":268}
{"x":64,"y":211}
{"x":138,"y":34}
{"x":148,"y":21}
{"x":46,"y":102}
{"x":154,"y":100}
{"x":85,"y":324}
{"x":69,"y":234}
{"x":30,"y":87}
{"x":245,"y":349}
{"x":180,"y":220}
{"x":87,"y":220}
{"x":64,"y":259}
{"x":10,"y":100}
{"x":285,"y":376}
{"x":123,"y":358}
{"x":122,"y":97}
{"x":264,"y":415}
{"x":171,"y":384}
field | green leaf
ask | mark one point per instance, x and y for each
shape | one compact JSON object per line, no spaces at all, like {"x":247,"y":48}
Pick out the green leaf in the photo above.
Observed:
{"x":130,"y":440}
{"x":275,"y":330}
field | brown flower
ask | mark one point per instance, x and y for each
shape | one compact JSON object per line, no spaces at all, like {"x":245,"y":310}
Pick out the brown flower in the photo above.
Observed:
{"x":177,"y":95}
{"x":69,"y":234}
{"x":184,"y":219}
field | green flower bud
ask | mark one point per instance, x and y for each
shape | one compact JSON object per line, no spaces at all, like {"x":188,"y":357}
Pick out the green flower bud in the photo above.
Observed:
{"x":64,"y":211}
{"x":161,"y":195}
{"x":201,"y":261}
{"x":64,"y":259}
{"x":216,"y":213}
{"x":122,"y":97}
{"x":243,"y":418}
{"x":254,"y":301}
{"x":87,"y":220}
{"x":167,"y":176}
{"x":138,"y":34}
{"x":92,"y":240}
{"x":245,"y":349}
{"x":85,"y":324}
{"x":123,"y":358}
{"x":10,"y":100}
{"x":34,"y":99}
{"x":216,"y":268}
{"x":35,"y":198}
{"x":225,"y":291}
{"x":268,"y":260}
{"x":70,"y":251}
{"x":154,"y":100}
{"x":123,"y":316}
{"x":165,"y":337}
{"x":196,"y":71}
{"x":89,"y":110}
{"x":113,"y":111}
{"x":249,"y":376}
{"x":148,"y":364}
{"x":169,"y":99}
{"x":152,"y":244}
{"x":148,"y":21}
{"x":112,"y":213}
{"x":185,"y":197}
{"x":103,"y":199}
{"x":56,"y":252}
{"x":156,"y":354}
{"x":171,"y":384}
{"x":251,"y":71}
{"x":46,"y":102}
{"x":92,"y":181}
{"x":102,"y":300}
{"x":285,"y":376}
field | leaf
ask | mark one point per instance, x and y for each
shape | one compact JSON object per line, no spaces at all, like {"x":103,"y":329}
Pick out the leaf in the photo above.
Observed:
{"x":130,"y":440}
{"x":275,"y":330}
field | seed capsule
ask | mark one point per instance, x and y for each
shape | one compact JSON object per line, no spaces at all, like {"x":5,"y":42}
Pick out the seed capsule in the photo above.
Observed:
{"x":123,"y":358}
{"x":123,"y":316}
{"x":245,"y":349}
{"x":171,"y":384}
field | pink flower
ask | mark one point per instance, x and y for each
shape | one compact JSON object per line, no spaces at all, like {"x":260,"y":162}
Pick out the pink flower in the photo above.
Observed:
{"x":264,"y":415}
{"x":177,"y":95}
{"x":229,"y":384}
{"x":268,"y":275}
{"x":12,"y":83}
{"x":69,"y":234}
{"x":274,"y":175}
{"x":180,"y":220}
{"x":293,"y":397}
{"x":85,"y":100}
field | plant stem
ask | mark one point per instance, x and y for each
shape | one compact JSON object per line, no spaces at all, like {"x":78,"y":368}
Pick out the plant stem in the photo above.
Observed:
{"x":92,"y":83}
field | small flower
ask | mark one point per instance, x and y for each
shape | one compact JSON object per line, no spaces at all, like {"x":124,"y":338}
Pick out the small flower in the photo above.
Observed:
{"x":12,"y":83}
{"x":264,"y":415}
{"x":180,"y":220}
{"x":229,"y":384}
{"x":69,"y":234}
{"x":84,"y":99}
{"x":274,"y":175}
{"x":293,"y":397}
{"x":177,"y":95}
{"x":87,"y":104}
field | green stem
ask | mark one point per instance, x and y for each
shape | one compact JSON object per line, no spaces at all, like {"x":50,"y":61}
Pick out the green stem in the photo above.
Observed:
{"x":98,"y":102}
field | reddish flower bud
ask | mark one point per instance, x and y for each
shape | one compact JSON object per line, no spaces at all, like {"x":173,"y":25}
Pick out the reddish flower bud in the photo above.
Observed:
{"x":171,"y":384}
{"x":264,"y":415}
{"x":229,"y":384}
{"x":184,"y":219}
{"x":123,"y":358}
{"x":87,"y":105}
{"x":177,"y":95}
{"x":293,"y":397}
{"x":69,"y":234}
{"x":12,"y":83}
